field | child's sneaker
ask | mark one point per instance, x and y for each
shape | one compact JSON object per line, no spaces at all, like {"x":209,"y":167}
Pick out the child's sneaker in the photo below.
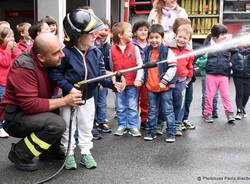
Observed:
{"x":3,"y":134}
{"x":170,"y":140}
{"x":208,"y":118}
{"x":159,"y":128}
{"x":178,"y":133}
{"x":96,"y":134}
{"x":178,"y":130}
{"x":215,"y":114}
{"x":88,"y":161}
{"x":239,"y":115}
{"x":104,"y":127}
{"x":135,"y":132}
{"x":70,"y":163}
{"x":149,"y":137}
{"x":188,"y":124}
{"x":183,"y":127}
{"x":144,"y":125}
{"x":244,"y":113}
{"x":230,"y":117}
{"x":120,"y":131}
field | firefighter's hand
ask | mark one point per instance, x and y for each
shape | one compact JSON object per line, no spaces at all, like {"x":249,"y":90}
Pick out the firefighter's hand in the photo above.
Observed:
{"x":120,"y":86}
{"x":162,"y":86}
{"x":137,"y":83}
{"x":73,"y":99}
{"x":75,"y":91}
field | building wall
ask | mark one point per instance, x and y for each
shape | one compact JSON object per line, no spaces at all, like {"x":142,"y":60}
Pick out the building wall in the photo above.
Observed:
{"x":16,"y":6}
{"x":72,"y":4}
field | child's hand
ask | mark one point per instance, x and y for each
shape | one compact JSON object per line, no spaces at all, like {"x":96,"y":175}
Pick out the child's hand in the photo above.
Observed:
{"x":120,"y":86}
{"x":162,"y":86}
{"x":11,"y":45}
{"x":137,"y":83}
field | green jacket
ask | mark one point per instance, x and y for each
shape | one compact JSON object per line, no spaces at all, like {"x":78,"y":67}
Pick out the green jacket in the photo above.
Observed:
{"x":201,"y":63}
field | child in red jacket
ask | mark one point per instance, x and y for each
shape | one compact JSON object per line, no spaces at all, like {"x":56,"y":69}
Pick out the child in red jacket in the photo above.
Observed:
{"x":184,"y":73}
{"x":25,"y":43}
{"x":126,"y":55}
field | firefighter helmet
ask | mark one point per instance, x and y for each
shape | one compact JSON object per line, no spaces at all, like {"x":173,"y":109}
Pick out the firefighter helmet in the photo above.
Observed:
{"x":80,"y":21}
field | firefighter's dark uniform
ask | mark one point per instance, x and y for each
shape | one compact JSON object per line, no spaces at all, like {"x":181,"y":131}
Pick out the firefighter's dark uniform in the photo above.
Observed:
{"x":25,"y":109}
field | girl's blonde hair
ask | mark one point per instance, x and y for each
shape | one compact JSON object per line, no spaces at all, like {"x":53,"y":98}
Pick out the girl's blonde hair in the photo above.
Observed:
{"x":185,"y":28}
{"x":159,"y":5}
{"x":119,"y":28}
{"x":4,"y":31}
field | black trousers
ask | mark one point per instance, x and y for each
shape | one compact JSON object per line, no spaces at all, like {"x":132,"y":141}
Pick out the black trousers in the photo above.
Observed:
{"x":242,"y":88}
{"x":38,"y":132}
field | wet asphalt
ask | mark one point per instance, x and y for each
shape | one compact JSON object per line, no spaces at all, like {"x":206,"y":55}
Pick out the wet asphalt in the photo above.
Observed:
{"x":212,"y":153}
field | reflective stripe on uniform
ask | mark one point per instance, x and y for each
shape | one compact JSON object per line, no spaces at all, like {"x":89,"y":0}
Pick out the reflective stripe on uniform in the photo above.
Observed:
{"x":90,"y":24}
{"x":31,"y":147}
{"x":40,"y":142}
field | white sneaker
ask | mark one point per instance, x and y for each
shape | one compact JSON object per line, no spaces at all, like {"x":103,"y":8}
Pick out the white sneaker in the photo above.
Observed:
{"x":170,"y":140}
{"x":3,"y":134}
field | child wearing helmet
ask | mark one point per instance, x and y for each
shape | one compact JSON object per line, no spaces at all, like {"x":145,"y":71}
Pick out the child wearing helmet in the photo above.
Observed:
{"x":82,"y":61}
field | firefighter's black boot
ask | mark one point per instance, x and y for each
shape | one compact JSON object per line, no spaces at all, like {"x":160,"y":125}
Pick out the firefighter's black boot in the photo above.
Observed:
{"x":21,"y":163}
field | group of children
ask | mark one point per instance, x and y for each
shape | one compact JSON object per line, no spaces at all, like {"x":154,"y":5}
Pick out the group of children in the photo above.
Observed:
{"x":161,"y":94}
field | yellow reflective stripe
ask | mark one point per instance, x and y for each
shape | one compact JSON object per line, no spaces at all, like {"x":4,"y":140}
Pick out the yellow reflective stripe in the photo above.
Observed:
{"x":90,"y":24}
{"x":31,"y":147}
{"x":66,"y":36}
{"x":40,"y":142}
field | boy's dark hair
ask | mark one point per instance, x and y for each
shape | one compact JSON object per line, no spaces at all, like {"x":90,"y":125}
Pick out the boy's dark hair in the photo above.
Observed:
{"x":35,"y":28}
{"x":156,"y":28}
{"x":50,"y":20}
{"x":106,"y":22}
{"x":216,"y":30}
{"x":139,"y":24}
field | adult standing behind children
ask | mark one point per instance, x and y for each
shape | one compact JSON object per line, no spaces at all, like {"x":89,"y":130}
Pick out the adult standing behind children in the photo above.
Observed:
{"x":165,"y":12}
{"x":27,"y":104}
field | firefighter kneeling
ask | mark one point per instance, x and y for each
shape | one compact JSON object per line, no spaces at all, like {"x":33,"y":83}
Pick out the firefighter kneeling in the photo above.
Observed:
{"x":27,"y":104}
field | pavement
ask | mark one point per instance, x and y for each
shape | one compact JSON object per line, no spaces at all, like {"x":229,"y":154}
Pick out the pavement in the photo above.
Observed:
{"x":211,"y":154}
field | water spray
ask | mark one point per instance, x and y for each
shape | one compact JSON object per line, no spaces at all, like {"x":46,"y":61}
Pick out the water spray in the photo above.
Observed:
{"x":225,"y":45}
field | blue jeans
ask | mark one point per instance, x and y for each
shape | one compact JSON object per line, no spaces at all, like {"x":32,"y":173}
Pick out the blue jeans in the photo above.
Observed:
{"x":188,"y":101}
{"x":2,"y":89}
{"x":215,"y":100}
{"x":179,"y":93}
{"x":165,"y":100}
{"x":127,"y":107}
{"x":101,"y":104}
